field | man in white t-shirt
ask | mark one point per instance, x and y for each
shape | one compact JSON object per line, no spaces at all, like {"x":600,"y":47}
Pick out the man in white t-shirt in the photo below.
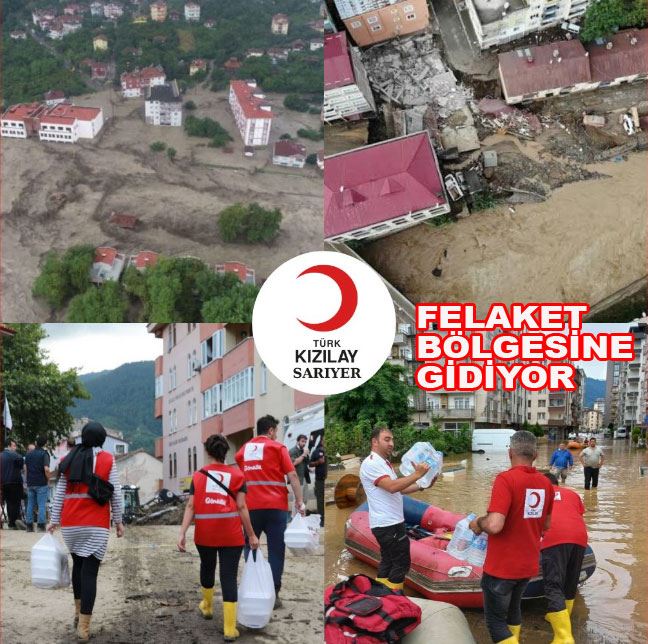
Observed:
{"x":592,"y":459}
{"x":384,"y":496}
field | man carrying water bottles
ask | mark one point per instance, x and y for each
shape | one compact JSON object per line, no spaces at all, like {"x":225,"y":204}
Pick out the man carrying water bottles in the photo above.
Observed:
{"x":384,"y":496}
{"x":519,"y":511}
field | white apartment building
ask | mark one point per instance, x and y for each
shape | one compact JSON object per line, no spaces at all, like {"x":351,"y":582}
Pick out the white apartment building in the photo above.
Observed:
{"x":349,"y":8}
{"x":347,"y":92}
{"x":632,"y":381}
{"x":135,"y":83}
{"x":163,"y":105}
{"x":252,"y":112}
{"x":113,"y":10}
{"x":210,"y":380}
{"x":192,"y":12}
{"x":500,"y":21}
{"x":592,"y":420}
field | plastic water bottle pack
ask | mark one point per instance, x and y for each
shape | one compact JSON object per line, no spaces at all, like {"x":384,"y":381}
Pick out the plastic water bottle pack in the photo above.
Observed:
{"x":422,"y":453}
{"x":466,"y":545}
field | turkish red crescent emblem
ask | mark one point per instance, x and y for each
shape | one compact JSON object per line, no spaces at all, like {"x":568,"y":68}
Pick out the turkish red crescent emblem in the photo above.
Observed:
{"x":537,"y":503}
{"x":219,"y":476}
{"x":349,"y":298}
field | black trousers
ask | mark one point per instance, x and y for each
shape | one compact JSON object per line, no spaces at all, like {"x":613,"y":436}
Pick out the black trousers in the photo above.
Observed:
{"x":394,"y":552}
{"x":227,"y":572}
{"x":591,"y":474}
{"x":502,"y":605}
{"x":561,"y":566}
{"x":84,"y":581}
{"x":12,"y":494}
{"x":319,"y":497}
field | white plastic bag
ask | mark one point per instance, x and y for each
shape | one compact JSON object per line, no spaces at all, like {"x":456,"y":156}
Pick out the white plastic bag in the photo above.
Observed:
{"x":256,"y":594}
{"x":49,"y":563}
{"x":422,"y":453}
{"x":302,"y":534}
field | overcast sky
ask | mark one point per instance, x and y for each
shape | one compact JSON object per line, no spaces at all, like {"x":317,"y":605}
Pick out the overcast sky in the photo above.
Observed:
{"x":96,"y":347}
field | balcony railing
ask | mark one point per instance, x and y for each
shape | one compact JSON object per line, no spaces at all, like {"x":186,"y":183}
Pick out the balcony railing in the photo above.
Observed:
{"x":452,"y":412}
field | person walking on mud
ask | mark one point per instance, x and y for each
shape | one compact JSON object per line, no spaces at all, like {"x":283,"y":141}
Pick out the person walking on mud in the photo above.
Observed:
{"x":217,"y":506}
{"x":86,"y":492}
{"x":519,"y":511}
{"x":385,"y":499}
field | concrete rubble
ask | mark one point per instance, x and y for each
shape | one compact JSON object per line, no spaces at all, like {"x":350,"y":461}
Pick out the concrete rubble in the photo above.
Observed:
{"x":413,"y":77}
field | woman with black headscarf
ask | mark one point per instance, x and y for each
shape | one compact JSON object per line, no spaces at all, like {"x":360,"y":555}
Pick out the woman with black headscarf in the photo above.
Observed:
{"x":87,"y":484}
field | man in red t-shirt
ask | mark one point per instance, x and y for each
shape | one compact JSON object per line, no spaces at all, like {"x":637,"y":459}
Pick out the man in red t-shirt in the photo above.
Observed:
{"x":519,"y":511}
{"x":563,"y":548}
{"x":265,"y":463}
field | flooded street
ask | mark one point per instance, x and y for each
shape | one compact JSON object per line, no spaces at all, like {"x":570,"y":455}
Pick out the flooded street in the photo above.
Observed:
{"x":611,"y":607}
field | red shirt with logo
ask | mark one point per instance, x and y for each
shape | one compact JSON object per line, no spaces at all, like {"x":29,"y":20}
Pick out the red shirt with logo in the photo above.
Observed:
{"x":567,"y":524}
{"x":216,"y":516}
{"x":525,"y":498}
{"x":264,"y":464}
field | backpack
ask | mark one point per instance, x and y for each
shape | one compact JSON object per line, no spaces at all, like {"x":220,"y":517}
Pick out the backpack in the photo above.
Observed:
{"x":361,"y":610}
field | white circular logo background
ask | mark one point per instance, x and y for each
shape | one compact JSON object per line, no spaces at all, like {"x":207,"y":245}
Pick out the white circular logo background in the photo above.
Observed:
{"x":357,"y":339}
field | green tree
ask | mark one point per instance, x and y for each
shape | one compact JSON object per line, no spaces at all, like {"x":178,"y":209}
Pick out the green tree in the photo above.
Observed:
{"x":312,"y":135}
{"x":602,"y":18}
{"x":296,"y":103}
{"x":104,"y":303}
{"x":40,"y":395}
{"x":51,"y":284}
{"x":190,"y":105}
{"x":77,"y":262}
{"x":158,"y":146}
{"x":384,"y":398}
{"x":249,"y":223}
{"x":311,"y":159}
{"x":171,"y":153}
{"x":234,"y":306}
{"x":134,"y":283}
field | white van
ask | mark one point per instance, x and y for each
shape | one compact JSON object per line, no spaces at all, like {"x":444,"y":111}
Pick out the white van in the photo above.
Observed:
{"x":491,"y":440}
{"x":622,"y":432}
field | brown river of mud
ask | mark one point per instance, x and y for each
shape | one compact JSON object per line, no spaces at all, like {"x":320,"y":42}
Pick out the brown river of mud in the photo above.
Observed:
{"x":612,"y":606}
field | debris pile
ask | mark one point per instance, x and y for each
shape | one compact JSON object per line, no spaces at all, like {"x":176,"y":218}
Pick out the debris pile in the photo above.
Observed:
{"x":495,"y":114}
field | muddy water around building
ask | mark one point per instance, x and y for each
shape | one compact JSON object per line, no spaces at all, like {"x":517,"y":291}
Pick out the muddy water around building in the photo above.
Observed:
{"x":611,"y":607}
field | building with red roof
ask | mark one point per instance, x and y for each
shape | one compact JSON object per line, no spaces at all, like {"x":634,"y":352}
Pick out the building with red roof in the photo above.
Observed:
{"x":197,"y":65}
{"x":144,"y":259}
{"x":135,"y":83}
{"x":243,"y":272}
{"x":107,"y":266}
{"x":382,"y":188}
{"x":347,"y":93}
{"x":232,"y":64}
{"x":289,"y":153}
{"x":252,"y":112}
{"x":123,"y":220}
{"x":54,"y":97}
{"x":567,"y":67}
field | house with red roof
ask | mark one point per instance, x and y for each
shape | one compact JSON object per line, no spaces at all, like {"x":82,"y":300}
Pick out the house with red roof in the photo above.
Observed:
{"x":382,"y":188}
{"x":347,"y":92}
{"x":243,"y":272}
{"x":232,"y":64}
{"x":107,"y":266}
{"x":144,"y":259}
{"x":197,"y":65}
{"x":123,"y":220}
{"x":21,"y":121}
{"x":252,"y":112}
{"x":54,"y":97}
{"x":289,"y":153}
{"x":135,"y":83}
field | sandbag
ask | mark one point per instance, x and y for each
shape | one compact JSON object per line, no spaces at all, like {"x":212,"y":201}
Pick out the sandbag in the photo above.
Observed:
{"x":256,"y":594}
{"x":49,"y":563}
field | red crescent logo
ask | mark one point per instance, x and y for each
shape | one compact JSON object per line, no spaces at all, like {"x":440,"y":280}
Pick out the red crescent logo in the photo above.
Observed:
{"x":219,"y":476}
{"x":349,"y":298}
{"x":537,"y":503}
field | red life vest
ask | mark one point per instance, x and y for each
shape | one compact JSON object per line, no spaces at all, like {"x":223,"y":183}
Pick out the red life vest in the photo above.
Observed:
{"x":361,"y":610}
{"x":79,"y":508}
{"x":216,"y":516}
{"x":264,"y":464}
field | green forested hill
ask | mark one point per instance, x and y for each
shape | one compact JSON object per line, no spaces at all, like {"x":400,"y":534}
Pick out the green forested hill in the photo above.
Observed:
{"x":122,"y":399}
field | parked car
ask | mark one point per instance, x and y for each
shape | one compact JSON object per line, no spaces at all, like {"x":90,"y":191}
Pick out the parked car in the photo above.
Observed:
{"x":621,"y":432}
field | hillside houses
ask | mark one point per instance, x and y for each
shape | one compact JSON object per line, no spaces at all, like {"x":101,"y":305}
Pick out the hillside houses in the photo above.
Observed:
{"x":135,"y":83}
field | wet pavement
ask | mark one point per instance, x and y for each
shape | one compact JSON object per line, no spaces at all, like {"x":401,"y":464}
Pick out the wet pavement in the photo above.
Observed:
{"x":612,"y":606}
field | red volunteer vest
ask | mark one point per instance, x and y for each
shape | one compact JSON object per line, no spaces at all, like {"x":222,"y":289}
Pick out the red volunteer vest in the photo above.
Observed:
{"x":79,"y":508}
{"x":216,"y":516}
{"x":263,"y":464}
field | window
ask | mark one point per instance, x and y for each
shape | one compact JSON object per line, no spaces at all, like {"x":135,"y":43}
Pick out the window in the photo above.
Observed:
{"x":212,"y":403}
{"x":529,"y":416}
{"x":194,"y":411}
{"x":238,"y":388}
{"x":189,"y":460}
{"x":195,"y":460}
{"x":189,"y":414}
{"x":410,"y":16}
{"x":372,"y":20}
{"x":159,"y":386}
{"x":119,"y":449}
{"x":408,"y":7}
{"x":189,"y":369}
{"x":170,"y":466}
{"x":264,"y":379}
{"x":171,"y":337}
{"x":541,"y":416}
{"x":175,"y":466}
{"x":376,"y":28}
{"x":355,"y":24}
{"x":213,"y":348}
{"x":542,"y":403}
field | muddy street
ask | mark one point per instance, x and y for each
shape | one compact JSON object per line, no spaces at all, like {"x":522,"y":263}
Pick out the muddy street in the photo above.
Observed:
{"x":148,"y":592}
{"x":610,"y":607}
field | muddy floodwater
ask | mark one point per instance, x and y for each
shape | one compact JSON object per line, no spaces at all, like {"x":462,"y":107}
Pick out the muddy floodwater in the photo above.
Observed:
{"x":612,"y":606}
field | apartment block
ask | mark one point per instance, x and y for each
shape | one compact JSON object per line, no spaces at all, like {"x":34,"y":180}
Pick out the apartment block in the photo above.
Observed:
{"x":158,"y":11}
{"x":252,"y":112}
{"x":631,"y":409}
{"x":113,"y":10}
{"x":210,"y":379}
{"x":381,"y":188}
{"x":280,"y":24}
{"x":163,"y":105}
{"x":136,"y":83}
{"x":347,"y":92}
{"x":192,"y":12}
{"x":612,"y":391}
{"x":384,"y":20}
{"x":500,"y":21}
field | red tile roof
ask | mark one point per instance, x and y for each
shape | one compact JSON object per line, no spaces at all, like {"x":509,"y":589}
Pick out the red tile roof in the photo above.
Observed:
{"x":241,"y":270}
{"x":232,"y":63}
{"x":623,"y":58}
{"x":141,"y":77}
{"x":67,"y":111}
{"x":105,"y":255}
{"x":288,"y":148}
{"x":250,"y":104}
{"x":5,"y":330}
{"x":123,"y":220}
{"x":558,"y":64}
{"x":23,"y":110}
{"x":54,"y":94}
{"x":146,"y":258}
{"x":338,"y":71}
{"x":379,"y":182}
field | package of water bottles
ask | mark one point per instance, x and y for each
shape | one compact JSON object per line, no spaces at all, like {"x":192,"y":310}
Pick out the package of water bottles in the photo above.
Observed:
{"x":422,"y":453}
{"x":465,"y":545}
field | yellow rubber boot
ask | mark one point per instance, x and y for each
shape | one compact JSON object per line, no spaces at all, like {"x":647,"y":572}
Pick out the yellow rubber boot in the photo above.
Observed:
{"x":383,"y":580}
{"x":561,"y":625}
{"x":515,"y":629}
{"x":392,"y":585}
{"x":83,"y":628}
{"x":206,"y":606}
{"x":77,"y":611}
{"x":229,"y":621}
{"x":570,"y":605}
